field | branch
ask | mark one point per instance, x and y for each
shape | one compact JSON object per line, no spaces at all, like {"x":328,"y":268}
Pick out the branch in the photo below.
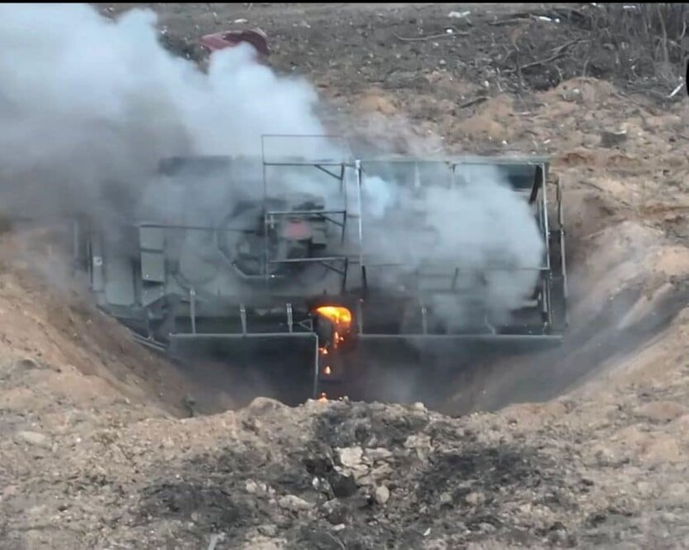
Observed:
{"x":431,"y":37}
{"x":475,"y":101}
{"x":558,"y":53}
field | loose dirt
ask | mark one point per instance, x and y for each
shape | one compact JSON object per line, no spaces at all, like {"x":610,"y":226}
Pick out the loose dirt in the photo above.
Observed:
{"x":585,"y":445}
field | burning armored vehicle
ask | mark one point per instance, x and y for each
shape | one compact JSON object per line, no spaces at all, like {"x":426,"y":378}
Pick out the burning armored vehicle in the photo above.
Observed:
{"x":296,"y":253}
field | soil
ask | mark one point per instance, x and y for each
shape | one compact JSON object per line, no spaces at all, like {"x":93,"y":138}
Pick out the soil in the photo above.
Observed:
{"x":584,"y":445}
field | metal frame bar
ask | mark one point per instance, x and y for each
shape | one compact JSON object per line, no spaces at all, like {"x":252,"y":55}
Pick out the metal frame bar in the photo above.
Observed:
{"x":268,"y":215}
{"x":561,"y":223}
{"x":318,"y":163}
{"x":266,"y":335}
{"x":506,"y":338}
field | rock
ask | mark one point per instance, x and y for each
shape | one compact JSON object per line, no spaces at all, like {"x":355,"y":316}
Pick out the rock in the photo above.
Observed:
{"x":29,"y":364}
{"x":612,"y":139}
{"x":421,"y":444}
{"x":604,"y":456}
{"x":256,"y":488}
{"x":382,"y":494}
{"x":381,"y":472}
{"x":366,"y":481}
{"x":294,"y":503}
{"x":571,"y":95}
{"x":474,"y":499}
{"x":351,"y":457}
{"x":338,"y":527}
{"x":446,"y":498}
{"x":268,"y":530}
{"x":487,"y":528}
{"x":264,"y":406}
{"x":335,"y":512}
{"x":558,"y":537}
{"x":358,"y":472}
{"x":262,"y":543}
{"x":418,"y":442}
{"x":378,"y":454}
{"x":343,"y":486}
{"x":34,"y":438}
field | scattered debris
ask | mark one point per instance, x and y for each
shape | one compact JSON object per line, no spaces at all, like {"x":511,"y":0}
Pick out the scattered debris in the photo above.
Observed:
{"x":215,"y":539}
{"x":294,"y":503}
{"x":613,"y":139}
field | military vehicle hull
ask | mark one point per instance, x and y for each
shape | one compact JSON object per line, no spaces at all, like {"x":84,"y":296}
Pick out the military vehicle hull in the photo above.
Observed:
{"x":265,"y":256}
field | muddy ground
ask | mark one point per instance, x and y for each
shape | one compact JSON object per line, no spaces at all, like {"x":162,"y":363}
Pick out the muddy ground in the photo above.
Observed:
{"x":581,"y":446}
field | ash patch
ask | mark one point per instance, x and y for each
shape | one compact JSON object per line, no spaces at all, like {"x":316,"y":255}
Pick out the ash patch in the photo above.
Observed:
{"x":368,"y":425}
{"x":364,"y":477}
{"x":481,"y":486}
{"x":219,"y":492}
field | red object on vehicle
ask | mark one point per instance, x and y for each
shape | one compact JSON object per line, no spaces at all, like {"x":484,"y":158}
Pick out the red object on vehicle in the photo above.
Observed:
{"x":297,"y":230}
{"x":229,"y":39}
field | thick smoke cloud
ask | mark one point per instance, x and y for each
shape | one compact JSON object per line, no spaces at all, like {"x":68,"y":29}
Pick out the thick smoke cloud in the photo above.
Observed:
{"x":89,"y":106}
{"x":478,"y":224}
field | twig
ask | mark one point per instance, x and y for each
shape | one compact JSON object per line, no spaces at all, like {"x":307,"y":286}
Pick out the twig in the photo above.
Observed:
{"x":431,"y":37}
{"x":558,"y":53}
{"x":569,"y":12}
{"x":666,"y":55}
{"x":517,"y":62}
{"x":676,"y":90}
{"x":475,"y":101}
{"x":502,"y":22}
{"x":586,"y":66}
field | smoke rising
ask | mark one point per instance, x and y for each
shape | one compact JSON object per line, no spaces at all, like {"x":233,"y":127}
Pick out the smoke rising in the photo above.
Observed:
{"x":481,"y":225}
{"x":90,"y":106}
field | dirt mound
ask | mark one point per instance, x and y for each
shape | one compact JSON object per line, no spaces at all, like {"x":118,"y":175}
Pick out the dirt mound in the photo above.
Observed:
{"x":328,"y":476}
{"x":51,"y":327}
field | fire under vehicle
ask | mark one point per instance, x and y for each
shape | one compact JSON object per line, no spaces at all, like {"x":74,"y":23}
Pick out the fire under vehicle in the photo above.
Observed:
{"x":269,"y":253}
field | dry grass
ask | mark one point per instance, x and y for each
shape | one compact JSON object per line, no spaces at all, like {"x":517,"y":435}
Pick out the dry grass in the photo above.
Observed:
{"x":648,"y":38}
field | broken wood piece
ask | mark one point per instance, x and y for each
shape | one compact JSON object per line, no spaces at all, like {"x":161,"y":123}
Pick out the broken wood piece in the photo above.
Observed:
{"x":474,"y":101}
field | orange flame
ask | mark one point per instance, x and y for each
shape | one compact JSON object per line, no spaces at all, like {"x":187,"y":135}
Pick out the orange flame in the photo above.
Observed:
{"x":340,"y":316}
{"x":323,"y":398}
{"x":327,"y":371}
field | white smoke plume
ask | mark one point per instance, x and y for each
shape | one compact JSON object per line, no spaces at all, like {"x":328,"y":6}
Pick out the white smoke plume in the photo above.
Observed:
{"x":481,"y":226}
{"x":89,"y":106}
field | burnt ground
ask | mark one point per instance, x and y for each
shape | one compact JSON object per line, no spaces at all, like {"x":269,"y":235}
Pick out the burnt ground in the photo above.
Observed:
{"x":461,"y":482}
{"x":96,"y":452}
